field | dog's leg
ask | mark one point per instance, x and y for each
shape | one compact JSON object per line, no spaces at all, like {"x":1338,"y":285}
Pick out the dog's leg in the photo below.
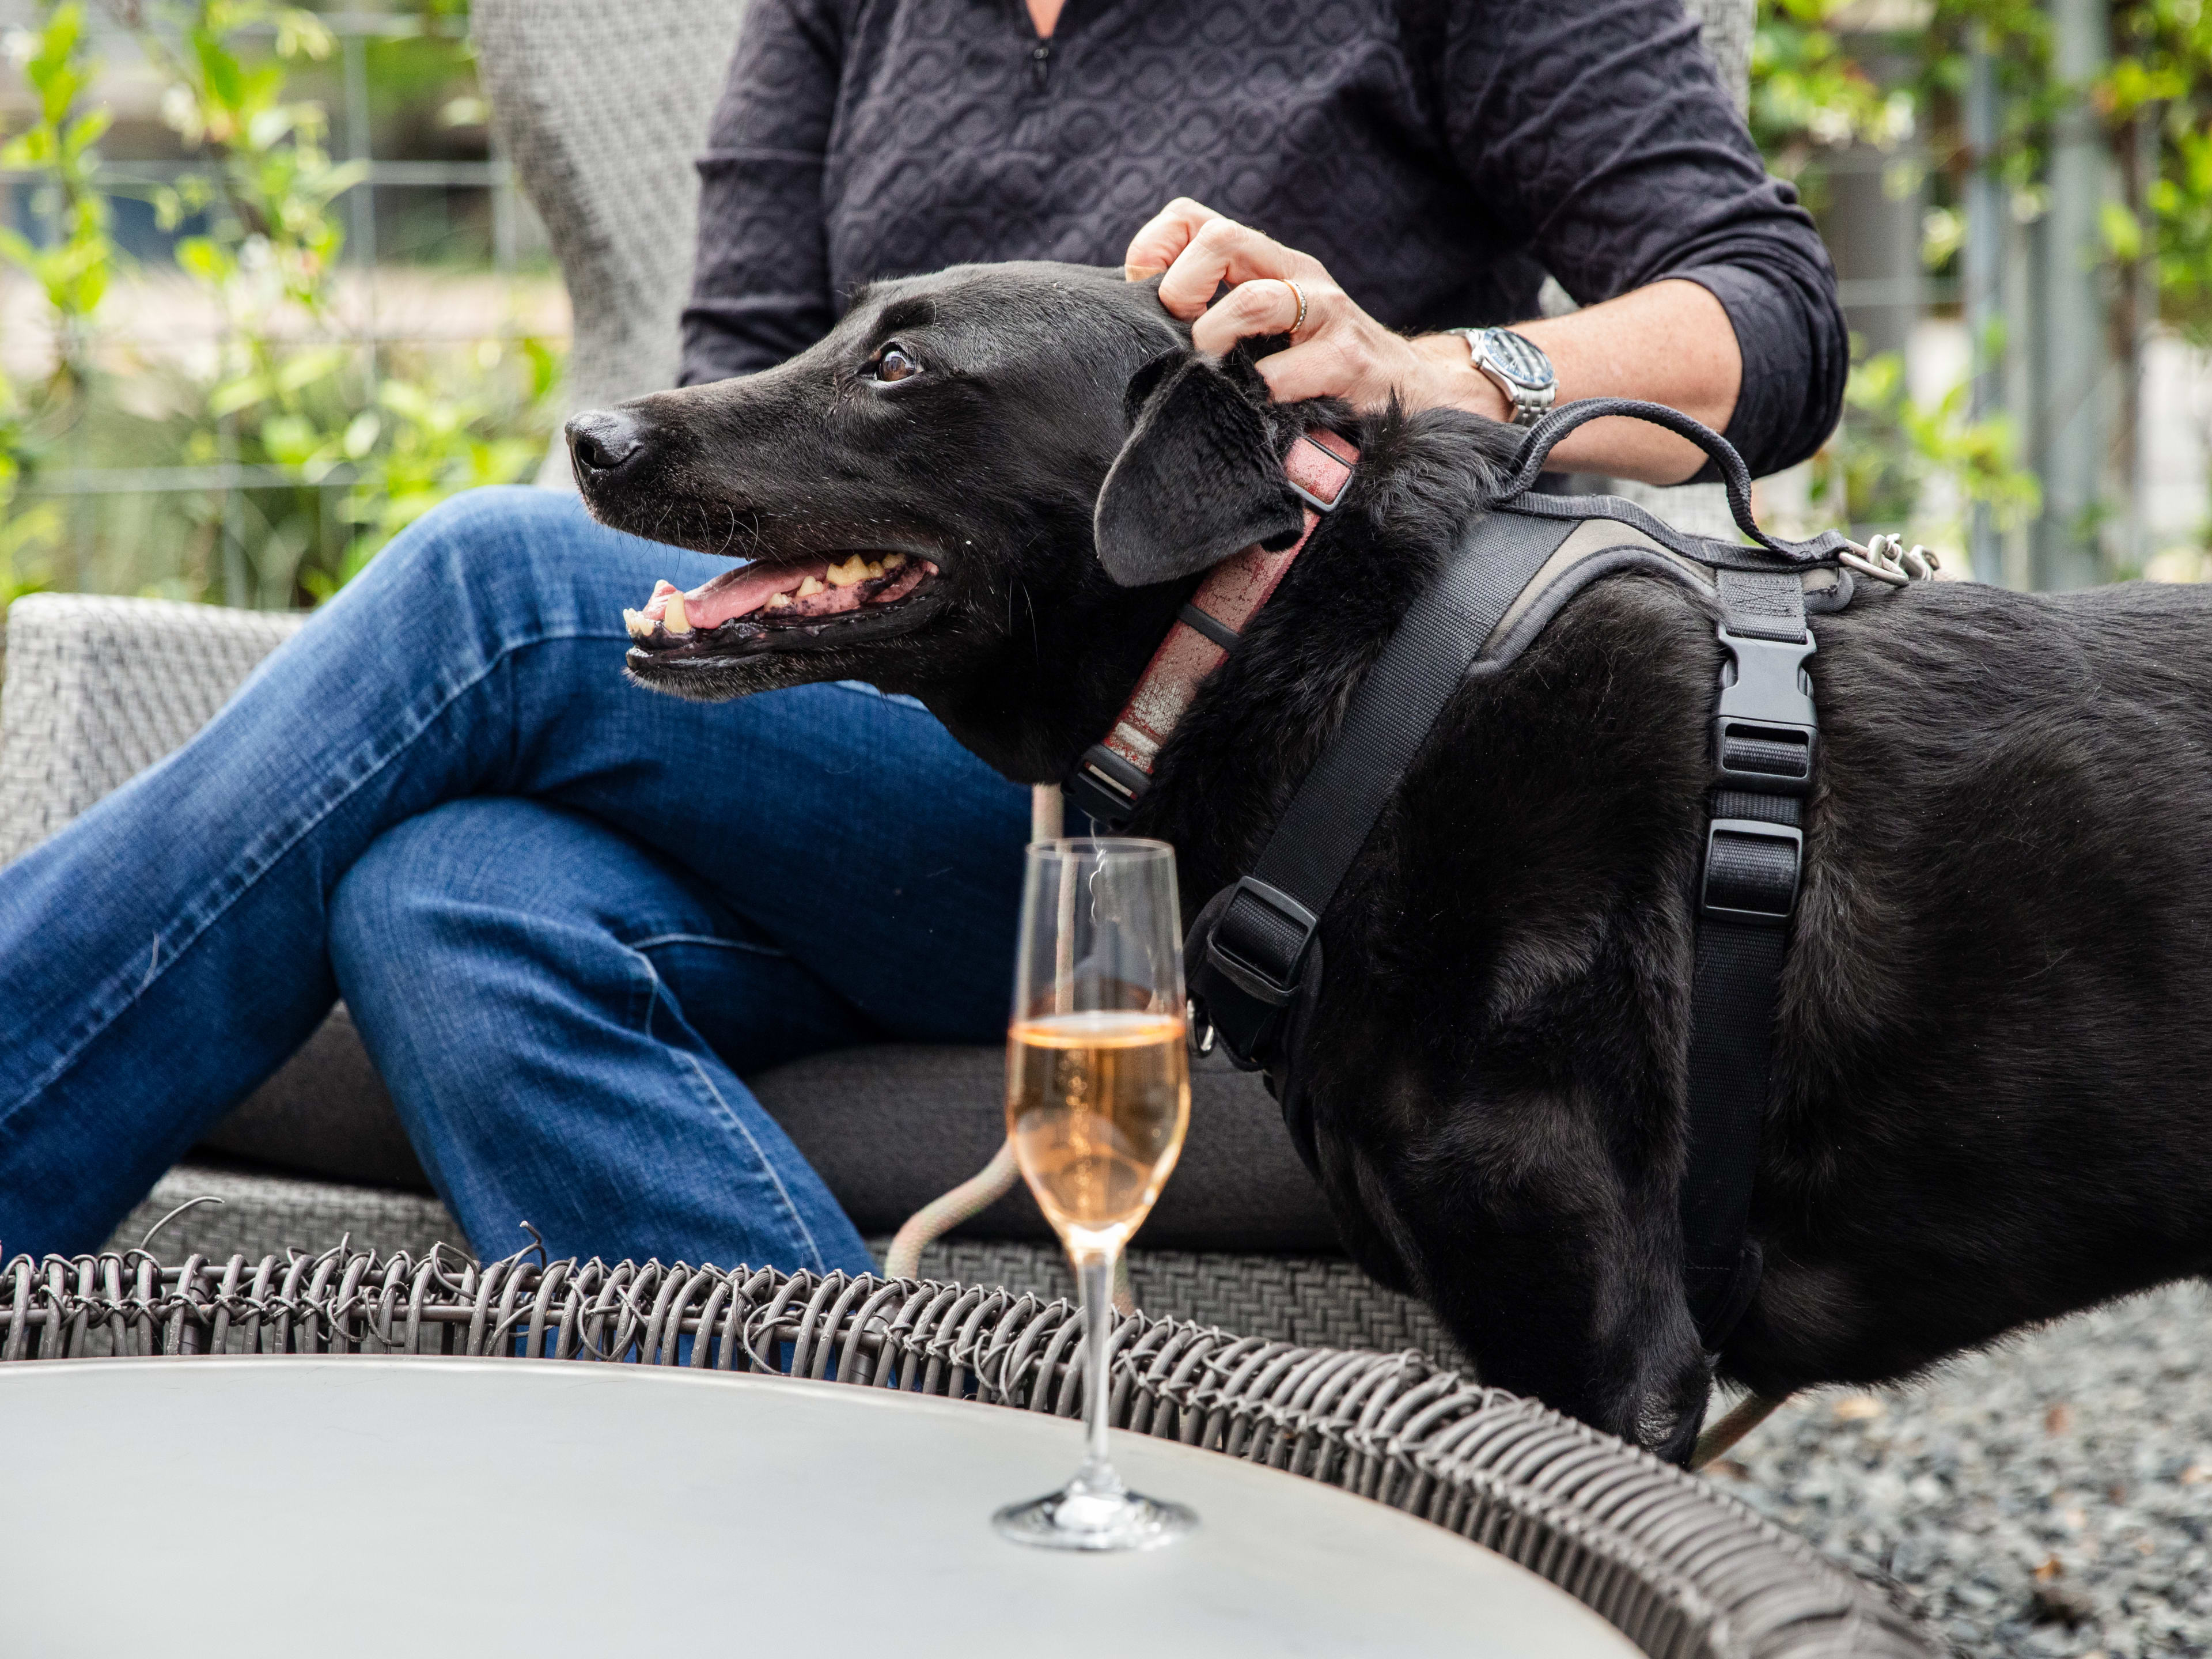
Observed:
{"x":1557,"y":1270}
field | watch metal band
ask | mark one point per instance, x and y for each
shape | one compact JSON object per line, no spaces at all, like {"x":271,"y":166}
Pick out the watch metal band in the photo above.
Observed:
{"x":1517,"y":365}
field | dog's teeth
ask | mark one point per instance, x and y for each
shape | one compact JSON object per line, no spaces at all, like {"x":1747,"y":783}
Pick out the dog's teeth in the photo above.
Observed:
{"x":778,"y":602}
{"x":893,"y":561}
{"x":854,"y":569}
{"x":664,"y":586}
{"x":808,"y":589}
{"x":639,"y":624}
{"x":674,"y":619}
{"x":875,"y":569}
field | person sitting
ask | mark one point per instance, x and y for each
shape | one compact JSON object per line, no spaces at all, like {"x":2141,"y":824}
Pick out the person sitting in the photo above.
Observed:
{"x":570,"y":917}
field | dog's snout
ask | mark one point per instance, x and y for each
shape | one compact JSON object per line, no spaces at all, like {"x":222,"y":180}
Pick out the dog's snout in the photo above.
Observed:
{"x":604,"y":440}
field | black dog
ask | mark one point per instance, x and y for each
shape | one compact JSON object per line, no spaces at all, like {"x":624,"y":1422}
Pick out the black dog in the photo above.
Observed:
{"x":1996,"y":1034}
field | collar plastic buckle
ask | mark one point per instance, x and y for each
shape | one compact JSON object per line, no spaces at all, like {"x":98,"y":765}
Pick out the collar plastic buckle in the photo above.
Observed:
{"x":1308,"y":474}
{"x":1105,"y":787}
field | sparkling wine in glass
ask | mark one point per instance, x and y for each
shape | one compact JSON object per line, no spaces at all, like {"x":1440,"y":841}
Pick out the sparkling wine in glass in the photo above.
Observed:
{"x":1097,"y":1100}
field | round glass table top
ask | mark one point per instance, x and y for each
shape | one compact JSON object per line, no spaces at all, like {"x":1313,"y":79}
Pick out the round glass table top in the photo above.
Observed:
{"x":358,"y":1506}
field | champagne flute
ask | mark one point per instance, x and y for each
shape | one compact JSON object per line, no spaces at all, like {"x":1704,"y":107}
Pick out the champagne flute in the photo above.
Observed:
{"x":1097,"y":1099}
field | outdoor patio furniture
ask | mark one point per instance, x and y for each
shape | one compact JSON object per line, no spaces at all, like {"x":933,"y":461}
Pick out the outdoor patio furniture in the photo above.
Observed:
{"x":563,"y":1498}
{"x":602,"y":110}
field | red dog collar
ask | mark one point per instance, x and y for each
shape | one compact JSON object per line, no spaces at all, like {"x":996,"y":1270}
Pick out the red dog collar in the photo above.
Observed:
{"x":1112,"y":777}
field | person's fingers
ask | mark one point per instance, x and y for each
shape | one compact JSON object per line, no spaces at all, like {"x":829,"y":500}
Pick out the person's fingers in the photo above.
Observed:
{"x":1154,"y":248}
{"x":1267,"y":305}
{"x":1222,"y":250}
{"x":1337,"y":364}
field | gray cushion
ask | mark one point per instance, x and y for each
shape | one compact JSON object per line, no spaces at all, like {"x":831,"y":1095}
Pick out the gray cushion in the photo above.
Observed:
{"x":890,"y":1128}
{"x":324,"y":1113}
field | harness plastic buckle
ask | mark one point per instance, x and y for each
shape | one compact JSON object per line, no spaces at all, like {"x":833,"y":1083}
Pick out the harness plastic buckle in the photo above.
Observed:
{"x":1106,"y":788}
{"x":1260,"y":940}
{"x":1752,"y":869}
{"x":1765,"y":732}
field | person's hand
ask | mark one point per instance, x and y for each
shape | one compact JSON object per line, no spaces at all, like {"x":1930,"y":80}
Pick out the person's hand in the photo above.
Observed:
{"x":1338,"y":351}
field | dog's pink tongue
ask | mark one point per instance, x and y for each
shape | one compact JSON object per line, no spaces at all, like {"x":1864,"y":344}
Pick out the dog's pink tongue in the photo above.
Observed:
{"x":741,"y":592}
{"x":738,"y":593}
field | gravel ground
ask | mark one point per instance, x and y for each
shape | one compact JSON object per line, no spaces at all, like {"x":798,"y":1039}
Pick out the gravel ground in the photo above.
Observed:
{"x":2053,"y":1497}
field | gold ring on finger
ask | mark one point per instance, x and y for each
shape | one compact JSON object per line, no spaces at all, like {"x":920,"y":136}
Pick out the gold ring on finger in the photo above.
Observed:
{"x":1299,"y":294}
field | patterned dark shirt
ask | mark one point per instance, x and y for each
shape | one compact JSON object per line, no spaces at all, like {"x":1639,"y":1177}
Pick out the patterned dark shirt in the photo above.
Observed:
{"x":1438,"y":155}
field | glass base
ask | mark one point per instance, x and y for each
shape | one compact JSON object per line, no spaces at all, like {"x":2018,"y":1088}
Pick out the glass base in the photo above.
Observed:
{"x":1074,"y":1518}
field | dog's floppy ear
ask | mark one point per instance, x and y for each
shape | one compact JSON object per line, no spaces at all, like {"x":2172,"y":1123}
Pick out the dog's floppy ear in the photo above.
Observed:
{"x":1198,"y":479}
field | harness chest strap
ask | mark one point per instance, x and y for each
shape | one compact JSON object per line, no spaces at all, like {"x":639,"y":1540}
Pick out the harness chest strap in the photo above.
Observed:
{"x":1765,"y":735}
{"x":1112,"y":777}
{"x":1254,"y":955}
{"x":1255,"y":958}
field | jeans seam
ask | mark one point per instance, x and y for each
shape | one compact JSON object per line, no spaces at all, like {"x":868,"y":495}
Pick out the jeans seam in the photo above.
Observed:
{"x":734,"y":1119}
{"x":710,"y":940}
{"x":292,"y":839}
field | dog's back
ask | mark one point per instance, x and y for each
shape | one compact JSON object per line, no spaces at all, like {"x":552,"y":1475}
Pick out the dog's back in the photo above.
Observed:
{"x":1995,"y":1052}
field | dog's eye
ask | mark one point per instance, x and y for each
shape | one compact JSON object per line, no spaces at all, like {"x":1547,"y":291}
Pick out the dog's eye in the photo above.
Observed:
{"x":893,"y":363}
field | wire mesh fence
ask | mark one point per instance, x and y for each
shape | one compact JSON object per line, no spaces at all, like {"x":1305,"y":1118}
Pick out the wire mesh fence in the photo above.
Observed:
{"x":424,"y":363}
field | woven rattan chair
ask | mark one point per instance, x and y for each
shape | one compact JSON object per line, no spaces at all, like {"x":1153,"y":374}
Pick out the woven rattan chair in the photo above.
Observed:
{"x":1681,"y":1570}
{"x":602,"y":109}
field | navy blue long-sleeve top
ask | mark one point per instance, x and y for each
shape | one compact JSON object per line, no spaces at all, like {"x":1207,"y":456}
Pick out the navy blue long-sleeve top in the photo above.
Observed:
{"x":1438,"y":155}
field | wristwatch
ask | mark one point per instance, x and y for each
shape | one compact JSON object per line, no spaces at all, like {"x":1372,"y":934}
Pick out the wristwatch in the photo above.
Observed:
{"x":1517,"y":366}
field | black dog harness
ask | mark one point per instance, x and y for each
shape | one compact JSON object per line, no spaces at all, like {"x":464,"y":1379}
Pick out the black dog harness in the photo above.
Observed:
{"x":1254,"y":959}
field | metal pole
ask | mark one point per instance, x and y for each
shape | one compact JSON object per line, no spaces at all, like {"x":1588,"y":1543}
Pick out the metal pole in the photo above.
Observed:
{"x":361,"y":200}
{"x":503,"y":236}
{"x":2142,"y":326}
{"x":1981,"y":262}
{"x":2073,"y":344}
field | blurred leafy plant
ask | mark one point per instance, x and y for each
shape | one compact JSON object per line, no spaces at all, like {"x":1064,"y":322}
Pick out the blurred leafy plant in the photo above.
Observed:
{"x":1809,"y":95}
{"x":344,"y":444}
{"x":61,"y":144}
{"x":1872,"y":472}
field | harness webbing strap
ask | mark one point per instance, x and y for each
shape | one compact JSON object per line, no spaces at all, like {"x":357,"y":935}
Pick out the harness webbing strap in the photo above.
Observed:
{"x":1262,"y":936}
{"x":1736,"y":477}
{"x":1254,"y":963}
{"x":1747,"y":890}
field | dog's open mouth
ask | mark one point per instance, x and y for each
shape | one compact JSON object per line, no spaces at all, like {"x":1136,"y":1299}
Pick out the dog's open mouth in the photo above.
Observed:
{"x":768,"y":606}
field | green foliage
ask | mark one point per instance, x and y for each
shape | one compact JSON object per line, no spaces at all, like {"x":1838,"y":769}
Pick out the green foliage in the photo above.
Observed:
{"x":61,"y":144}
{"x":1807,"y":94}
{"x":274,"y":239}
{"x":1872,"y":472}
{"x":360,"y":440}
{"x":2153,"y":102}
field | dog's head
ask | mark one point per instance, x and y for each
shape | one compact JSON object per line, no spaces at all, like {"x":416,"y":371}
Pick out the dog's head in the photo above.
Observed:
{"x":988,"y":487}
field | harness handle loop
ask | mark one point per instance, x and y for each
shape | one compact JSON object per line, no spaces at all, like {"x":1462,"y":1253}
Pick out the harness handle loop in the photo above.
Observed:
{"x":1736,"y":477}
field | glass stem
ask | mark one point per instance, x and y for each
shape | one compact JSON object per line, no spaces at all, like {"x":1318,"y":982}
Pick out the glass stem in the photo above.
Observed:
{"x":1095,"y":1274}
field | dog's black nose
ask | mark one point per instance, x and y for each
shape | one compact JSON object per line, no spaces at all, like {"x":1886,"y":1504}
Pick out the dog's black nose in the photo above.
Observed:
{"x":603,"y":441}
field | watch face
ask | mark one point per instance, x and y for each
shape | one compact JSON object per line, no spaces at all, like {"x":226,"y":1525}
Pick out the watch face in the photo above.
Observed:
{"x":1517,"y":359}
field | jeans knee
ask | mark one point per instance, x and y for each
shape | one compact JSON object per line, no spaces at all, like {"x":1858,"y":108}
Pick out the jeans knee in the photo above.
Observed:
{"x":508,"y":551}
{"x":385,"y":907}
{"x":486,"y":873}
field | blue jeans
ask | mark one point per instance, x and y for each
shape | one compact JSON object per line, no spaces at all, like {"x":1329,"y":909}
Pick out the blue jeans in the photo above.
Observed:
{"x":568,"y":914}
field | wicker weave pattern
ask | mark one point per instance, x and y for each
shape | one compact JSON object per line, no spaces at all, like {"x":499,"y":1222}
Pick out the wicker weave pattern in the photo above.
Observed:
{"x":99,"y":689}
{"x":1319,"y":1300}
{"x":1678,"y":1569}
{"x":1726,"y":27}
{"x":604,"y":110}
